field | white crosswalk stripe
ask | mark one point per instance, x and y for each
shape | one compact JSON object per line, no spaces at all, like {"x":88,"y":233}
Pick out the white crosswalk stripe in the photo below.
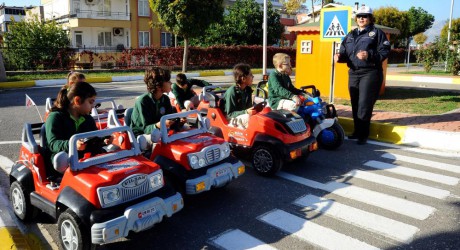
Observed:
{"x":237,"y":239}
{"x":448,"y":180}
{"x":400,"y":184}
{"x":312,"y":232}
{"x":391,"y":203}
{"x":423,"y":162}
{"x":375,"y":223}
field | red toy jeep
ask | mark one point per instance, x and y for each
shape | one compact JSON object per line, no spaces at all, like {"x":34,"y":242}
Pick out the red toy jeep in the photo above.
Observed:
{"x":192,"y":158}
{"x":272,"y":137}
{"x":96,"y":199}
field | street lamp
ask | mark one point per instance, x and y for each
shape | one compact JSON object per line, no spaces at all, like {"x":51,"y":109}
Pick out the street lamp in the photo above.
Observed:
{"x":264,"y":45}
{"x":448,"y":33}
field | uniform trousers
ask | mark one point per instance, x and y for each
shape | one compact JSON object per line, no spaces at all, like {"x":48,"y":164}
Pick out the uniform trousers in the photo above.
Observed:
{"x":364,"y":87}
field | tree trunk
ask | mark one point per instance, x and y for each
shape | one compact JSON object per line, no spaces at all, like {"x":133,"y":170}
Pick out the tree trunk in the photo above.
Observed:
{"x":184,"y":59}
{"x":2,"y":69}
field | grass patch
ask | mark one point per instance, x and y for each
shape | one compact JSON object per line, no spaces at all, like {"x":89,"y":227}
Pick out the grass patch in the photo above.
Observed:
{"x":432,"y":72}
{"x":414,"y":101}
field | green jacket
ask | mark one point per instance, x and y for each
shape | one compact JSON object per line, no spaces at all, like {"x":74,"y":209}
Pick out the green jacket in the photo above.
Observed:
{"x":280,"y":87}
{"x":60,"y":127}
{"x":237,"y":101}
{"x":183,"y":95}
{"x":148,"y":111}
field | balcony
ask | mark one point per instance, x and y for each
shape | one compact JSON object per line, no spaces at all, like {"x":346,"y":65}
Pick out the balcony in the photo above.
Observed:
{"x":111,"y":15}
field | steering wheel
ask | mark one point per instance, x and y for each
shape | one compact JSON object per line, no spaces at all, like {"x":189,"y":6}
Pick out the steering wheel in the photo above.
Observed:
{"x":259,"y":106}
{"x":176,"y":126}
{"x":94,"y":145}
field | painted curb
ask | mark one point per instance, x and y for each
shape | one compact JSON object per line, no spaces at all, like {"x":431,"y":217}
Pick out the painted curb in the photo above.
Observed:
{"x":418,"y":137}
{"x":22,"y":84}
{"x":425,"y":79}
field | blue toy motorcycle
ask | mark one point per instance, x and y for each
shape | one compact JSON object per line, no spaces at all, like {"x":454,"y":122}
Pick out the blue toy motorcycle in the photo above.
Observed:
{"x":322,"y":117}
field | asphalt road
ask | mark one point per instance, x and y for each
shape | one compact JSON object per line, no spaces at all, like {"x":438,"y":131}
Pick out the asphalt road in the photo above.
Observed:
{"x":357,"y":197}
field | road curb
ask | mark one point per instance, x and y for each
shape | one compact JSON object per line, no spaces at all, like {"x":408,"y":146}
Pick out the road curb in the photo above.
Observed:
{"x":423,"y":79}
{"x":406,"y":135}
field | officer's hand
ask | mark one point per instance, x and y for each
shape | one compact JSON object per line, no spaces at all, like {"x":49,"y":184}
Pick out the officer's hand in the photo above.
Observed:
{"x":362,"y":55}
{"x":169,"y":123}
{"x":81,"y":145}
{"x":251,"y":111}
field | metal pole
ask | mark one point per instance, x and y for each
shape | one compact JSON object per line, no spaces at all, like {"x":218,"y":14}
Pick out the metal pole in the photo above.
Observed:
{"x":331,"y":90}
{"x":408,"y":55}
{"x":448,"y":33}
{"x":264,"y":53}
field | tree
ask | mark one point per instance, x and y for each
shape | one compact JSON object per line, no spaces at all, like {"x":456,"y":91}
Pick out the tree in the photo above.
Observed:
{"x":292,"y":6}
{"x":187,"y":18}
{"x":392,"y":17}
{"x":34,"y":43}
{"x":455,"y":29}
{"x":242,"y":25}
{"x":420,"y":38}
{"x":419,"y":21}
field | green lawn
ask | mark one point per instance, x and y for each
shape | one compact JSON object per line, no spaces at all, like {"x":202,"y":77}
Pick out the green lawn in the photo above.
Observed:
{"x":414,"y":101}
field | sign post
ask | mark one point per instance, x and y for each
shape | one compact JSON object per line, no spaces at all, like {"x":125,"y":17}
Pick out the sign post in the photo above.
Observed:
{"x":334,"y":26}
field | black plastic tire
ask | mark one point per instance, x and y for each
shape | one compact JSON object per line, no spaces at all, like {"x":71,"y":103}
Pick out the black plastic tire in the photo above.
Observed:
{"x":265,"y":160}
{"x":72,"y":234}
{"x":20,"y":201}
{"x":338,"y":136}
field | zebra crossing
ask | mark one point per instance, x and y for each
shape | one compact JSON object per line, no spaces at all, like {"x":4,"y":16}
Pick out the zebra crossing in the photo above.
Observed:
{"x":405,"y":174}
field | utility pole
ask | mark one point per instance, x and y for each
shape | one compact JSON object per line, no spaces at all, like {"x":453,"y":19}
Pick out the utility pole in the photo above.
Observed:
{"x":448,"y":33}
{"x":264,"y":46}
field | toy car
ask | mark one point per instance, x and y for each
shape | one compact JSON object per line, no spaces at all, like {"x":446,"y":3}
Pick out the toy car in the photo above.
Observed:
{"x":194,"y":159}
{"x":272,"y":137}
{"x":321,"y":117}
{"x":95,"y":199}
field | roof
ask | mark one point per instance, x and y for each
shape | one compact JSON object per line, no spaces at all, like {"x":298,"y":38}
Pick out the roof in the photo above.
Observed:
{"x":314,"y":27}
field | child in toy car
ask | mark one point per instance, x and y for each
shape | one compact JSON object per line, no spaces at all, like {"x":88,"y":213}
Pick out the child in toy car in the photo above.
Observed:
{"x":183,"y":94}
{"x":238,"y":98}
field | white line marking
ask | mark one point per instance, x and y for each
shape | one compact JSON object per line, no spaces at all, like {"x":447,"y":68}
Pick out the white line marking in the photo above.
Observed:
{"x":375,"y":223}
{"x":9,"y":142}
{"x":444,"y":179}
{"x":400,"y":184}
{"x":417,"y":150}
{"x":6,"y":164}
{"x":426,"y":163}
{"x":391,"y":203}
{"x":311,"y":232}
{"x":239,"y":240}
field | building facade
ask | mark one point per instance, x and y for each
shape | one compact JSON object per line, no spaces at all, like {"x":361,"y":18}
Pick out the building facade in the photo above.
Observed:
{"x":9,"y":13}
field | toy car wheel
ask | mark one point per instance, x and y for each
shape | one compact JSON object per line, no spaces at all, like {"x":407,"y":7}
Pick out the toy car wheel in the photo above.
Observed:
{"x":71,"y":235}
{"x":332,"y":137}
{"x":266,"y":160}
{"x":21,"y":203}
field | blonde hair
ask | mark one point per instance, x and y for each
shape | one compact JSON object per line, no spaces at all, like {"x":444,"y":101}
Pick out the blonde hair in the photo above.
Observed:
{"x":280,"y":58}
{"x":74,"y":77}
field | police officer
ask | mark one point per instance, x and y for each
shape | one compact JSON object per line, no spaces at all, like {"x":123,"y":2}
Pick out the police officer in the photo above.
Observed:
{"x":363,"y":49}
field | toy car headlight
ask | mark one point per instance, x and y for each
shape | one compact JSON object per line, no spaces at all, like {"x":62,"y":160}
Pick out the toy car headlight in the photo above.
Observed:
{"x":201,"y":162}
{"x":193,"y":160}
{"x":156,"y":180}
{"x":225,"y":151}
{"x":110,"y":195}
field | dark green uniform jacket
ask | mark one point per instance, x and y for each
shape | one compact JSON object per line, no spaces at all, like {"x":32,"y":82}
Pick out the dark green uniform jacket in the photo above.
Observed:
{"x":280,"y":87}
{"x":237,"y":101}
{"x":60,"y":127}
{"x":148,"y":111}
{"x":183,"y":95}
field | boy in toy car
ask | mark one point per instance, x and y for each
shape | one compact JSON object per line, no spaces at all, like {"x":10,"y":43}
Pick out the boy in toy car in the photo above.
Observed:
{"x":281,"y":92}
{"x":182,"y":91}
{"x":151,"y":106}
{"x":238,"y":98}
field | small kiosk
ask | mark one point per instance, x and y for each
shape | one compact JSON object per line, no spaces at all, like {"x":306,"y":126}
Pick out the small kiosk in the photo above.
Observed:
{"x":314,"y":60}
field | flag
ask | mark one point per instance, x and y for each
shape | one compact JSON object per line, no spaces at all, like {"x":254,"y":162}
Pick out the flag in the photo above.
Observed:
{"x":29,"y":101}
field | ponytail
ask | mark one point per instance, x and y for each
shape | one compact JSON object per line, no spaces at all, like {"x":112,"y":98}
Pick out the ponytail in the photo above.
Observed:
{"x":67,"y":93}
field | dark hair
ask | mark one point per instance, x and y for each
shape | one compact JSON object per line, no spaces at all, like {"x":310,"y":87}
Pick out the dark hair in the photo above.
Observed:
{"x":155,"y":77}
{"x":74,"y":77}
{"x":239,"y":71}
{"x":181,"y":79}
{"x":83,"y":90}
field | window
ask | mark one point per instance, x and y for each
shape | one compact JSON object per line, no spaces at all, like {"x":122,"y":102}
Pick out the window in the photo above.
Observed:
{"x":104,"y":39}
{"x":144,"y":39}
{"x":104,"y":8}
{"x":78,"y":39}
{"x":143,"y":8}
{"x":306,"y":46}
{"x":166,"y":39}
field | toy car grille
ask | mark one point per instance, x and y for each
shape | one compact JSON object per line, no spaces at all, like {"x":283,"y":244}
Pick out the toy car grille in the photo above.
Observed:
{"x":128,"y":194}
{"x":212,"y":155}
{"x":297,"y":126}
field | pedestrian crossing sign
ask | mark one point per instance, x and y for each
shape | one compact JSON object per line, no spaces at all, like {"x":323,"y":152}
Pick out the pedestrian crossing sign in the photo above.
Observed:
{"x":335,"y":23}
